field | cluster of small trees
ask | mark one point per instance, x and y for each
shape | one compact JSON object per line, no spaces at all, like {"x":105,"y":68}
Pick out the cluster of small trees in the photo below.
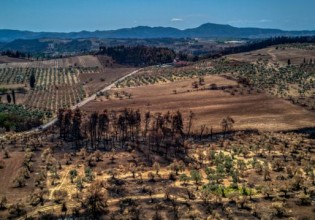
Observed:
{"x":153,"y":75}
{"x":276,"y":177}
{"x":17,"y":118}
{"x":200,"y":82}
{"x":262,"y":77}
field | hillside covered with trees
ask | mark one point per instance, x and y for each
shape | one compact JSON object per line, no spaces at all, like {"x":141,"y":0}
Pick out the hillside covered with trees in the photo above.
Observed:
{"x":139,"y":55}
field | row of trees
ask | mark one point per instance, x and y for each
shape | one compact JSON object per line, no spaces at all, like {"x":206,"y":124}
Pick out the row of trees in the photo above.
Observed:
{"x":129,"y":128}
{"x":16,"y":54}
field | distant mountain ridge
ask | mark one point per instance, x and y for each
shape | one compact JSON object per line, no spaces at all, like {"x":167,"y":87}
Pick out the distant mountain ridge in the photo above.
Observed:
{"x":208,"y":30}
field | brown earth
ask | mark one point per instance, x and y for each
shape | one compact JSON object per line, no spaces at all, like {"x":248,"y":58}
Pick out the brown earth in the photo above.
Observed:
{"x":6,"y":59}
{"x":273,"y":55}
{"x":12,"y":164}
{"x":250,"y":111}
{"x":94,"y":82}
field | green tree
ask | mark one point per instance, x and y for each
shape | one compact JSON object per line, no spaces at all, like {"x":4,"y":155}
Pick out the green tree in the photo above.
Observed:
{"x":89,"y":174}
{"x":32,"y":80}
{"x":183,"y":178}
{"x":73,"y":174}
{"x":195,"y":176}
{"x":9,"y":98}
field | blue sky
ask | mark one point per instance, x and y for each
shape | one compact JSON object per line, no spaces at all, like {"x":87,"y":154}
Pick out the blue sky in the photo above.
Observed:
{"x":76,"y":15}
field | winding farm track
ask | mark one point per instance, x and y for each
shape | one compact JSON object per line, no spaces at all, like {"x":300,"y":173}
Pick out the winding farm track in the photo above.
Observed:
{"x":60,"y":185}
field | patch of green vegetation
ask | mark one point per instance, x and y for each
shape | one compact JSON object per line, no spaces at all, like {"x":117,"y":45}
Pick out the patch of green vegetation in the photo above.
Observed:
{"x":18,"y":118}
{"x":3,"y":90}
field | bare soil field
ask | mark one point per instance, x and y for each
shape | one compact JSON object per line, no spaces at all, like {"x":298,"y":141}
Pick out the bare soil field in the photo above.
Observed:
{"x":249,"y":108}
{"x":8,"y":173}
{"x":6,"y":59}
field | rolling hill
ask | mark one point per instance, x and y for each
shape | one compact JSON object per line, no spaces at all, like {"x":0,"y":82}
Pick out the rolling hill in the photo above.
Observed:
{"x":208,"y":30}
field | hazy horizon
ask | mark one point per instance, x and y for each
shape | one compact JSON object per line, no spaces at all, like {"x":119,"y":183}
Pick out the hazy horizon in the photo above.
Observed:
{"x":153,"y":27}
{"x":79,"y":15}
